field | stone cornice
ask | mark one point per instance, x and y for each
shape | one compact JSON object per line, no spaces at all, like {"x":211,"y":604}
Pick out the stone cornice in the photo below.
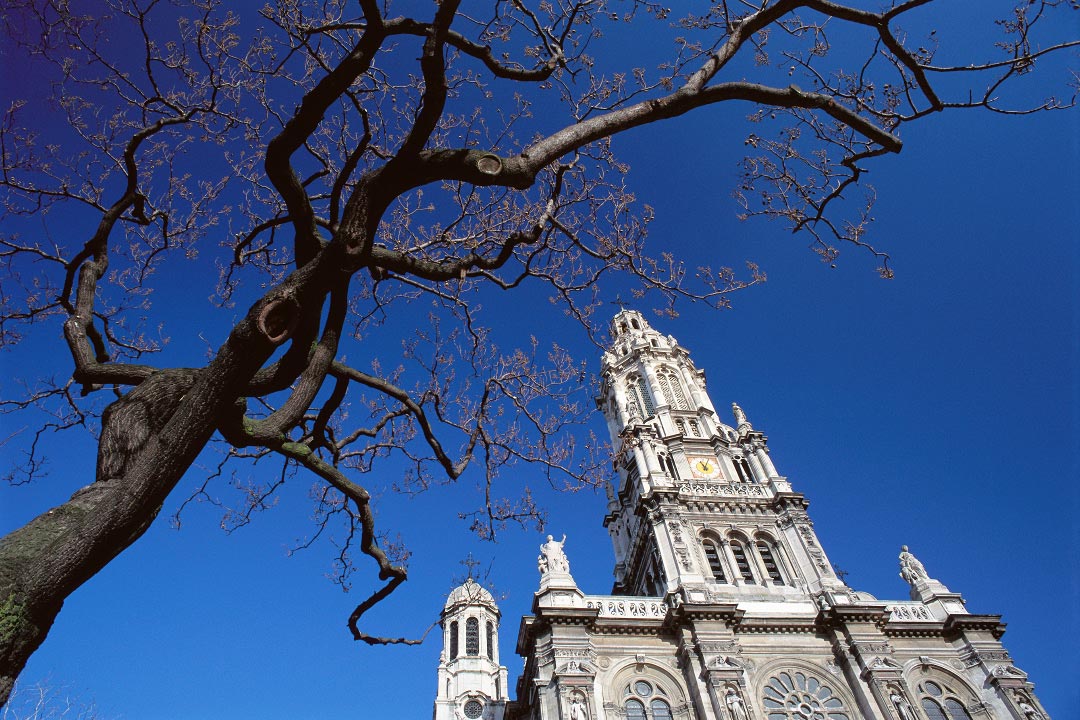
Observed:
{"x":876,"y":613}
{"x":729,"y":613}
{"x":792,"y":624}
{"x":958,"y":624}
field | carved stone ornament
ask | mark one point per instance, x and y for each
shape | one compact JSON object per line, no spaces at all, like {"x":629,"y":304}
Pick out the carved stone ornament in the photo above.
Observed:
{"x":910,"y":612}
{"x":576,"y":667}
{"x":722,"y":646}
{"x":604,"y":663}
{"x":975,"y":656}
{"x":1009,"y":671}
{"x":866,"y":647}
{"x":884,"y":663}
{"x":586,"y":653}
{"x":727,"y":661}
{"x":723,"y":489}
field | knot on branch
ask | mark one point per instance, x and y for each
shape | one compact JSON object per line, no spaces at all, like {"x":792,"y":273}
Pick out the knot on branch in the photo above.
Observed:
{"x":278,"y":319}
{"x":489,"y":164}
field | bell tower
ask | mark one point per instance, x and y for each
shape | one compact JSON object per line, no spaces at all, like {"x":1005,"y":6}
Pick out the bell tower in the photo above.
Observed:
{"x":698,"y":508}
{"x":472,"y":683}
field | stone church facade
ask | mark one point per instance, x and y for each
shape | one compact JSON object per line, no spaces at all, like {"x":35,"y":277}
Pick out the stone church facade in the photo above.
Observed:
{"x":725,"y":605}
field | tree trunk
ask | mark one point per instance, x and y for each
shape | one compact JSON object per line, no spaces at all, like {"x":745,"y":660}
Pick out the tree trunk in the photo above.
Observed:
{"x":149,"y":438}
{"x":49,"y":558}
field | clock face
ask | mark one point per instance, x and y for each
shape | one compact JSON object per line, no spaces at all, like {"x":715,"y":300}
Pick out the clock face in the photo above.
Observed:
{"x":704,"y":467}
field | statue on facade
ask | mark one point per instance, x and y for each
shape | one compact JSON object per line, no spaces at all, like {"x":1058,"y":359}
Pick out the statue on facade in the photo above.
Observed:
{"x":910,"y":568}
{"x":577,"y":709}
{"x":552,"y":558}
{"x":1030,"y":713}
{"x":903,"y":707}
{"x":740,"y":416}
{"x":735,"y":705}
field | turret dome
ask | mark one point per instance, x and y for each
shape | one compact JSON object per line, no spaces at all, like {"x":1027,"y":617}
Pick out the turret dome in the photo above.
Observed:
{"x":469,"y":593}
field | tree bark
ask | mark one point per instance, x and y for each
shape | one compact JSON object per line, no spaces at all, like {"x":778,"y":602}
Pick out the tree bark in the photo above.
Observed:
{"x":150,"y":437}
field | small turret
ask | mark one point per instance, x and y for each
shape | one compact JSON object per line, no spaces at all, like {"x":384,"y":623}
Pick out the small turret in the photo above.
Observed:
{"x":472,"y":684}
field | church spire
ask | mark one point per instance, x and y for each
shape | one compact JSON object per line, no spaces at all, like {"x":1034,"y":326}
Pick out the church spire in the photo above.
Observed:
{"x":694,"y":497}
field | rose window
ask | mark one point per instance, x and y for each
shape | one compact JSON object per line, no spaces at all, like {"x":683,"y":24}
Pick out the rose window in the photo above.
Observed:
{"x":798,"y":696}
{"x":474,"y":709}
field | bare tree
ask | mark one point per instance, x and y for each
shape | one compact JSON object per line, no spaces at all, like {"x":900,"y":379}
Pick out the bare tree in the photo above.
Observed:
{"x":47,"y":702}
{"x":337,"y":182}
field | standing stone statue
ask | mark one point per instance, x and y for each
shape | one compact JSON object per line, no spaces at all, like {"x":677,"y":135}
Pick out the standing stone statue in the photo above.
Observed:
{"x":552,"y":558}
{"x":910,"y":568}
{"x":577,"y":709}
{"x":903,"y":707}
{"x":740,"y":416}
{"x":735,"y":705}
{"x":1030,"y":713}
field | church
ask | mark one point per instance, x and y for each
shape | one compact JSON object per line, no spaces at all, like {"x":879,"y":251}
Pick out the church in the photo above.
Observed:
{"x":724,"y":604}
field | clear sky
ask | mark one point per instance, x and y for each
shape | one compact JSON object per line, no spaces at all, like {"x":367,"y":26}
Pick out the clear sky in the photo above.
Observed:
{"x":937,"y":410}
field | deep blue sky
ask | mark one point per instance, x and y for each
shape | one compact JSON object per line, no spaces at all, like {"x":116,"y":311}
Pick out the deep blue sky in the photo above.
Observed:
{"x":938,"y":410}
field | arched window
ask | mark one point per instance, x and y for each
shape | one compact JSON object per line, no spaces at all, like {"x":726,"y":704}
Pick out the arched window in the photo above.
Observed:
{"x":769,"y":562}
{"x":646,"y":398}
{"x":744,"y":469}
{"x":491,"y":640}
{"x":660,"y":710}
{"x":672,"y":389}
{"x":642,"y":694}
{"x":472,"y":636}
{"x":669,"y":465}
{"x":941,"y":702}
{"x":712,"y":554}
{"x":741,"y":561}
{"x":634,"y":324}
{"x":665,"y":387}
{"x":795,"y":695}
{"x":933,"y":710}
{"x":956,"y":710}
{"x":453,"y":640}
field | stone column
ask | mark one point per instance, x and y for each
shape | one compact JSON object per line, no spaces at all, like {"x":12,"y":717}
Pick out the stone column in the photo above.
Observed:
{"x":641,"y":464}
{"x":654,"y":385}
{"x":732,"y":566}
{"x":755,"y":467}
{"x":766,"y":462}
{"x":690,"y":382}
{"x":755,"y":558}
{"x":621,"y":414}
{"x":652,"y":463}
